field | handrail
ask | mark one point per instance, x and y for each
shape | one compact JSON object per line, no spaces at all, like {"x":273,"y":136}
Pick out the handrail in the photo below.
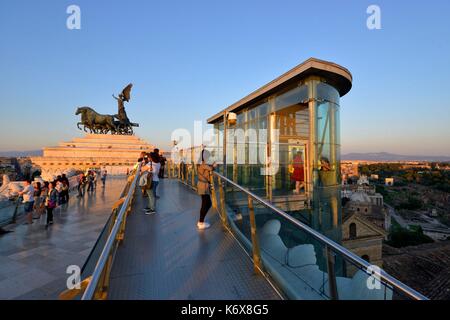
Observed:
{"x":104,"y":256}
{"x":383,"y":276}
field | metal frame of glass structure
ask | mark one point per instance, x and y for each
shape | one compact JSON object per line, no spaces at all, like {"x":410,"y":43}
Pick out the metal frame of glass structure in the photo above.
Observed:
{"x":300,"y":113}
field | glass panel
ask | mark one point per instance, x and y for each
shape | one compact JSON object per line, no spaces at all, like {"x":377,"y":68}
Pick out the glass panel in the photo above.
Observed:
{"x":236,"y":208}
{"x":91,"y":261}
{"x":290,"y":256}
{"x":328,"y":149}
{"x":325,"y":173}
{"x":263,"y":110}
{"x":217,"y":148}
{"x":297,"y":95}
{"x":326,"y":92}
{"x":355,"y":282}
{"x":241,"y":117}
{"x":9,"y":210}
{"x":246,"y":149}
{"x":252,"y":114}
{"x":296,"y":260}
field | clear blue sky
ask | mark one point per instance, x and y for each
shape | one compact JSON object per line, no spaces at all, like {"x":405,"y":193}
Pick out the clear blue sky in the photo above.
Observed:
{"x":189,"y":59}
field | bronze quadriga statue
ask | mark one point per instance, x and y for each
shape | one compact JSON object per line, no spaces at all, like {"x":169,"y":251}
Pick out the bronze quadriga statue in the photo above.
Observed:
{"x":94,"y":122}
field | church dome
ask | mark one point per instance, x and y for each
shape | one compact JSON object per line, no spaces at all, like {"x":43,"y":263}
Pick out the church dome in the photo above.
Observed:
{"x":360,"y":197}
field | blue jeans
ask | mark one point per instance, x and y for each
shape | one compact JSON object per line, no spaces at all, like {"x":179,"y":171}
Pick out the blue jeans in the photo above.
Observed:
{"x":29,"y":206}
{"x":155,"y":185}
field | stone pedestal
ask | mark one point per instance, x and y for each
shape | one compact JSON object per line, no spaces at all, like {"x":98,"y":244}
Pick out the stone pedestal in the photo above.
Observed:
{"x":115,"y":153}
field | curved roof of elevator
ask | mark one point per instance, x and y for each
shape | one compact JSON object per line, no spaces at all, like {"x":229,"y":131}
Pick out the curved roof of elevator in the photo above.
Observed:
{"x":334,"y":74}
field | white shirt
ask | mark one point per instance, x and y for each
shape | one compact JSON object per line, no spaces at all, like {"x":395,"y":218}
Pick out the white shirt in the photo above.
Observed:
{"x":28,"y":194}
{"x":156,"y":168}
{"x":155,"y":171}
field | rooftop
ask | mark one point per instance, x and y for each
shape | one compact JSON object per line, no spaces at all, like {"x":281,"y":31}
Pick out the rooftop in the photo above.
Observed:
{"x":334,"y":74}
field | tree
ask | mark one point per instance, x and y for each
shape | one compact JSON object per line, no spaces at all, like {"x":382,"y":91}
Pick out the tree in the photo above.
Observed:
{"x":400,"y":237}
{"x":413,"y":203}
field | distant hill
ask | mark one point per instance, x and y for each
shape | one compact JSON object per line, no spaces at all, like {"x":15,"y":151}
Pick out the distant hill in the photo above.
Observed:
{"x":15,"y":154}
{"x":384,"y":156}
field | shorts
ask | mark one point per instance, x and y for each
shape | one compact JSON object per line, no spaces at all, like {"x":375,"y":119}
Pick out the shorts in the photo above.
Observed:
{"x":29,"y":206}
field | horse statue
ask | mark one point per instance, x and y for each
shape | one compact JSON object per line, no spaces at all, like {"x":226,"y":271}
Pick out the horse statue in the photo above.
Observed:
{"x":100,"y":123}
{"x":95,"y":122}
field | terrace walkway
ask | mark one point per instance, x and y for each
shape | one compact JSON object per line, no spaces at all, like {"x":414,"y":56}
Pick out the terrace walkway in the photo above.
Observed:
{"x":164,"y":256}
{"x":33,"y":260}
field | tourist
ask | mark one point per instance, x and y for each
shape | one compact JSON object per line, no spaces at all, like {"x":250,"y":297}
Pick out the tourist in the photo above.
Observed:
{"x":145,"y":160}
{"x":37,"y":199}
{"x":104,"y":173}
{"x":141,"y":157}
{"x":327,"y":177}
{"x":64,"y":178}
{"x":140,"y":160}
{"x":298,"y":172}
{"x":28,"y":199}
{"x":44,"y":191}
{"x":182,"y":170}
{"x":203,"y":188}
{"x":94,"y":173}
{"x":51,"y":203}
{"x":90,"y":181}
{"x":65,"y":187}
{"x":325,"y":164}
{"x":154,"y":158}
{"x":146,"y":183}
{"x":163,"y":161}
{"x":58,"y":187}
{"x":64,"y":192}
{"x":81,"y":185}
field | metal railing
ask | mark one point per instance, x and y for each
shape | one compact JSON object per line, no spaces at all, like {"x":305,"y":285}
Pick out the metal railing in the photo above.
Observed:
{"x":338,"y":262}
{"x":331,"y":247}
{"x":335,"y":255}
{"x":95,"y":280}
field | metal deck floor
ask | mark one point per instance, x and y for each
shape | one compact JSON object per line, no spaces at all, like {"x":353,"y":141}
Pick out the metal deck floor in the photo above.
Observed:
{"x":33,"y":260}
{"x":164,"y":256}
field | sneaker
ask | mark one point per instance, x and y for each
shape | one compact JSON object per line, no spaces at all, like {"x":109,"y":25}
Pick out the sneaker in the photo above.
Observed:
{"x":146,"y":209}
{"x":203,"y":225}
{"x":150,"y":212}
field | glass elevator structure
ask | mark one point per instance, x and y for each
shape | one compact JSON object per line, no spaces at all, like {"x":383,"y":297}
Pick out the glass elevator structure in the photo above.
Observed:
{"x":282,"y":142}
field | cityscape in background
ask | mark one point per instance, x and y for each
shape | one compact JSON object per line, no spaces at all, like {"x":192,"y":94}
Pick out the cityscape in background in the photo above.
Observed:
{"x":403,"y":208}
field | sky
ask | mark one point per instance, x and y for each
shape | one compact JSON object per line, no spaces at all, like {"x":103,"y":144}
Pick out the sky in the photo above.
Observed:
{"x":189,"y":59}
